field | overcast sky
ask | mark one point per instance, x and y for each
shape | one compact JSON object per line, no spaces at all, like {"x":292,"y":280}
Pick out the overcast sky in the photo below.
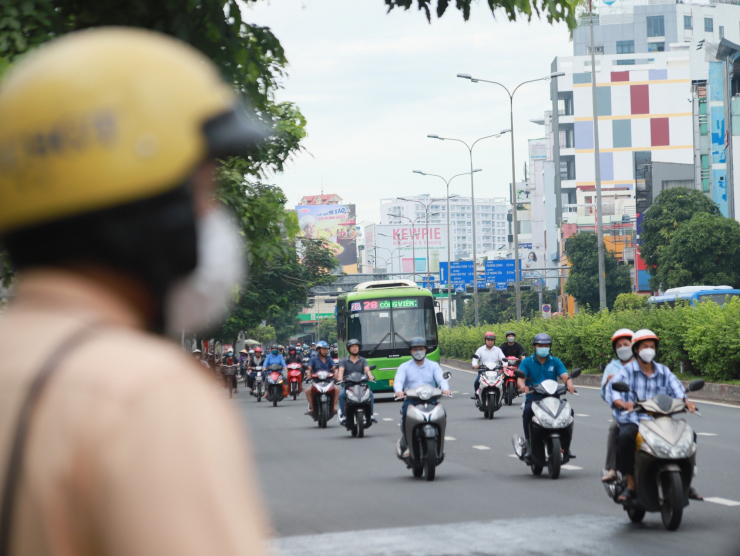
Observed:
{"x":372,"y":85}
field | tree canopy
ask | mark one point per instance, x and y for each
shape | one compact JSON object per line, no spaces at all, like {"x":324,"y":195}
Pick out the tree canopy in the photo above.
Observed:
{"x":583,"y":281}
{"x":662,"y":219}
{"x":496,"y":307}
{"x":702,"y":251}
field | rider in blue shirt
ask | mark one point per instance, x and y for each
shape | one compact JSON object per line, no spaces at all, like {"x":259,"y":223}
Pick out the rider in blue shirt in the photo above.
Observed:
{"x":412,"y":374}
{"x":540,"y":367}
{"x":274,"y":358}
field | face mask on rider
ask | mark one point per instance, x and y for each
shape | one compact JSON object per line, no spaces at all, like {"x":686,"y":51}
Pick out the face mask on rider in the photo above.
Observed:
{"x":624,"y":353}
{"x":418,"y":355}
{"x":543,"y":352}
{"x":510,"y":339}
{"x":204,"y":296}
{"x":647,"y":355}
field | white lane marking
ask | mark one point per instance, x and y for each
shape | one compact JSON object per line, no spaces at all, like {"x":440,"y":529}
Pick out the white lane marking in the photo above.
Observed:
{"x":466,"y":393}
{"x":705,"y":434}
{"x":398,"y":424}
{"x":582,"y":415}
{"x":454,"y":391}
{"x":481,"y":447}
{"x":387,"y":419}
{"x":513,"y":456}
{"x":450,"y":438}
{"x":571,"y":467}
{"x":722,"y":501}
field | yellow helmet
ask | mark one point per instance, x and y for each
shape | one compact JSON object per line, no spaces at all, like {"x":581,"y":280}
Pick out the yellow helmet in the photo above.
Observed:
{"x":106,"y":117}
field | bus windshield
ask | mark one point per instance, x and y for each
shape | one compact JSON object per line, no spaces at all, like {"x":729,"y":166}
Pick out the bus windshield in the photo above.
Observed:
{"x":385,"y":327}
{"x":718,"y":298}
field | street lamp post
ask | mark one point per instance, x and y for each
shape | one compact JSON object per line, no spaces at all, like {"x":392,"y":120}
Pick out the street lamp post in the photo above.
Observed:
{"x":449,"y":242}
{"x":513,"y":177}
{"x":426,"y":224}
{"x":393,"y":251}
{"x":472,"y":203}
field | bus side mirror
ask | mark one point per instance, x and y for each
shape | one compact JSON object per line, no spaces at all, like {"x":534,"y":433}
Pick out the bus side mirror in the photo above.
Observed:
{"x":440,"y":319}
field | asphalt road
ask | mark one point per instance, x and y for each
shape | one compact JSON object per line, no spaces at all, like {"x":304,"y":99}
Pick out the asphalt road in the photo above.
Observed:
{"x":329,"y":493}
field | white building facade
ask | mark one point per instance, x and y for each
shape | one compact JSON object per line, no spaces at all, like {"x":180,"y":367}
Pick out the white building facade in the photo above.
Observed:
{"x":491,"y":223}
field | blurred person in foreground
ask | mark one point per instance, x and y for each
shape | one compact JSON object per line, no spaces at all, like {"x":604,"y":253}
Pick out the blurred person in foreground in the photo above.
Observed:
{"x":107,"y":150}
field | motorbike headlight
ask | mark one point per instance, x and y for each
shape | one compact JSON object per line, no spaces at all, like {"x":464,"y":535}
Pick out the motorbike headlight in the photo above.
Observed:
{"x":664,"y":449}
{"x":562,"y":420}
{"x":351,"y":395}
{"x":425,"y":393}
{"x":543,"y":416}
{"x":366,"y":395}
{"x":322,"y":375}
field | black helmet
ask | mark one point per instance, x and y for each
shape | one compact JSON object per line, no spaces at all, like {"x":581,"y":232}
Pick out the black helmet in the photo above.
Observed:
{"x":291,"y":348}
{"x":511,"y":333}
{"x":417,"y":342}
{"x":542,"y":338}
{"x":274,"y":346}
{"x":352,"y":342}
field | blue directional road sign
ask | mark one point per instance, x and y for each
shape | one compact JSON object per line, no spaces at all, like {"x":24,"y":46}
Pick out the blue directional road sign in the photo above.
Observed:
{"x":501,"y":272}
{"x":460,"y":274}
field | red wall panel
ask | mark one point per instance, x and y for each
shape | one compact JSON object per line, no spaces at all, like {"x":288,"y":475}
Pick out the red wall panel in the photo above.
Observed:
{"x":640,"y":99}
{"x":659,"y":132}
{"x":620,"y":76}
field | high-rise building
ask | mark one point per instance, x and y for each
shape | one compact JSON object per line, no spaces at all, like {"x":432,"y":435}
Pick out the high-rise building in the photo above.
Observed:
{"x":492,"y":230}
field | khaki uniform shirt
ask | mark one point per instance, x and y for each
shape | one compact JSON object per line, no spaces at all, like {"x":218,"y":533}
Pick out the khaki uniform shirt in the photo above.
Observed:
{"x":131,"y":450}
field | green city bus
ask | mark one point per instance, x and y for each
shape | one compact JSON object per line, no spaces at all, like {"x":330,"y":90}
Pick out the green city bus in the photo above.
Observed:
{"x":384,"y":316}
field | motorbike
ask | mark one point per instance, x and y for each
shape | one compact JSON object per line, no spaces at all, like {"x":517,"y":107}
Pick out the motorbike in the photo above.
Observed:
{"x":510,"y":389}
{"x":295,"y":372}
{"x":665,"y":460}
{"x":275,"y":383}
{"x":259,"y":382}
{"x":425,"y":431}
{"x":488,"y":397}
{"x":551,"y":429}
{"x":358,"y":410}
{"x":322,"y":382}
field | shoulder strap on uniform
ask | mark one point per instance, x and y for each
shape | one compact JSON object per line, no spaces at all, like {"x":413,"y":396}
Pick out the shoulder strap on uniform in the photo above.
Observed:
{"x":17,"y":449}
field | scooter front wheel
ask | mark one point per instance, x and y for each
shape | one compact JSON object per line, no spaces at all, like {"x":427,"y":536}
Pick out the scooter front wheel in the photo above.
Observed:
{"x":672,"y":509}
{"x":510,"y":393}
{"x":359,"y":428}
{"x":553,"y":462}
{"x":430,"y":462}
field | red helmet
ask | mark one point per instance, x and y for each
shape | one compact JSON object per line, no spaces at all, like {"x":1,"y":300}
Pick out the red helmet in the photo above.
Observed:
{"x":491,"y":335}
{"x":258,"y":349}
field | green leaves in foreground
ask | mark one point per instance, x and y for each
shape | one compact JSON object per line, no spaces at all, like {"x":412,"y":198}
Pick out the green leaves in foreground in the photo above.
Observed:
{"x":552,"y":10}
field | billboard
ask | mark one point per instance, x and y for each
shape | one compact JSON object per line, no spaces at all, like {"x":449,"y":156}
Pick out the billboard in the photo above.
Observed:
{"x":394,"y":247}
{"x":336,"y":225}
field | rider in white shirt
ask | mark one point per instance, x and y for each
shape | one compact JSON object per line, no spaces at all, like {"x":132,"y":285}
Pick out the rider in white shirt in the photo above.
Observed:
{"x":489,"y":355}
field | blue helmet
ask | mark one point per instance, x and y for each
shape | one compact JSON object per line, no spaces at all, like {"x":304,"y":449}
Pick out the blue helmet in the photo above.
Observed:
{"x":322,"y":344}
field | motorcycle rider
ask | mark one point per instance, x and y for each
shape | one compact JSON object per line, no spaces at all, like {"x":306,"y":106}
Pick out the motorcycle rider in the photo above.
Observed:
{"x":293,"y":356}
{"x":229,"y":360}
{"x":321,"y":362}
{"x":489,"y":355}
{"x":541,"y":366}
{"x":412,"y":374}
{"x":512,"y":348}
{"x":353,"y":363}
{"x":257,"y":360}
{"x":312,"y":352}
{"x":622,"y":346}
{"x":646,"y":378}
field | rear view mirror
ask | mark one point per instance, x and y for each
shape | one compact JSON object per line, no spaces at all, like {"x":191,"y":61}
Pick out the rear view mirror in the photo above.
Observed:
{"x":695,"y":385}
{"x":446,"y":375}
{"x":476,"y":356}
{"x":621,"y":387}
{"x":519,"y":374}
{"x":576,"y":373}
{"x":440,"y":319}
{"x":373,"y":367}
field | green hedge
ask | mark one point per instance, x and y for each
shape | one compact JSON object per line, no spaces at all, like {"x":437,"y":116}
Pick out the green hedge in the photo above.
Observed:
{"x":706,"y":338}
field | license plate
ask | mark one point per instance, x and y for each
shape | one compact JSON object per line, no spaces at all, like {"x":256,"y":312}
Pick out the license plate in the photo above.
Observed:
{"x":390,"y":382}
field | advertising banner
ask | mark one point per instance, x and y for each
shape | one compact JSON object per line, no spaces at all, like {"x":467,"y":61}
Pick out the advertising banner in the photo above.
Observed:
{"x":395,"y":247}
{"x":336,"y":225}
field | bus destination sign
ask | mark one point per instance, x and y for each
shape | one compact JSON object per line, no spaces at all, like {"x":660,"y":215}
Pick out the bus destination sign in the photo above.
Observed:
{"x":383,"y":304}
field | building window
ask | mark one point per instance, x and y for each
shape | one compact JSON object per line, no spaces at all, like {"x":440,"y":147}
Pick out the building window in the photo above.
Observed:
{"x":721,"y":32}
{"x":687,"y":22}
{"x":625,"y":47}
{"x":656,"y":46}
{"x":656,"y":26}
{"x":598,"y":49}
{"x":708,"y":24}
{"x":625,"y":62}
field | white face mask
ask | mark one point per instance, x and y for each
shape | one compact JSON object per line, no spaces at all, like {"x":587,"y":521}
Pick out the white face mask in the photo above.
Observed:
{"x":510,"y":339}
{"x":205,"y":295}
{"x":647,"y":355}
{"x":418,"y":355}
{"x":624,"y":353}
